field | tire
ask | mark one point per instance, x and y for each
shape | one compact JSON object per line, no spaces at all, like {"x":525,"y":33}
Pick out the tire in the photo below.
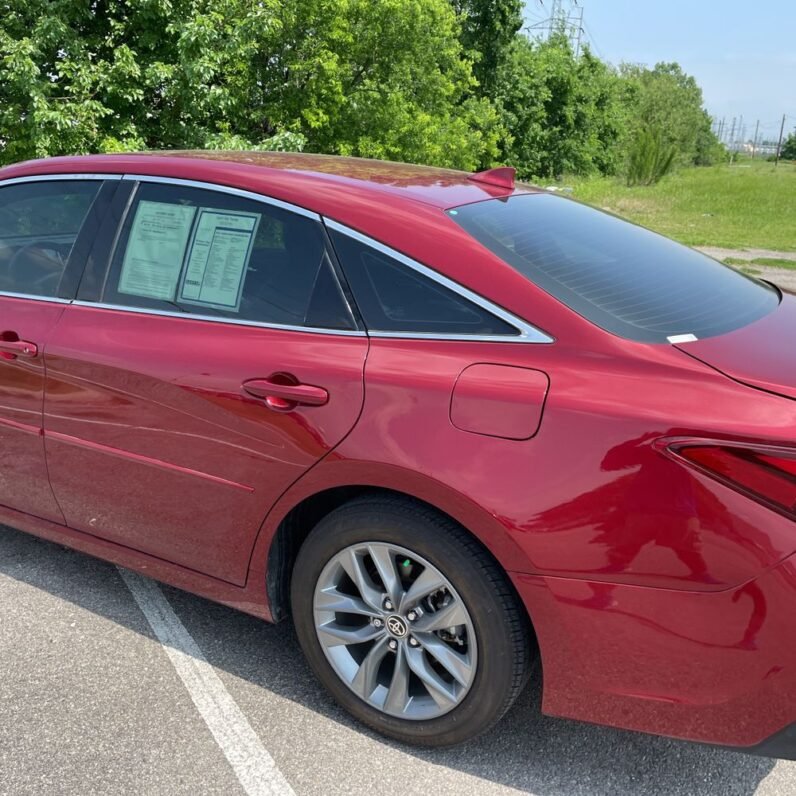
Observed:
{"x":396,"y":683}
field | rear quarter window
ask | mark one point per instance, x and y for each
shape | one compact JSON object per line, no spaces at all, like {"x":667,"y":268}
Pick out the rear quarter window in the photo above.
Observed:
{"x":396,"y":299}
{"x":629,"y":281}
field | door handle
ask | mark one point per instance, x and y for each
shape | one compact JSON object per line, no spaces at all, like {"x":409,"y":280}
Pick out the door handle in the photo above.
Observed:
{"x":11,"y":349}
{"x":283,"y":396}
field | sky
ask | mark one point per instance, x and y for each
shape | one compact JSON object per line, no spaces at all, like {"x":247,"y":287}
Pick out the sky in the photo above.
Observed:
{"x":742,"y":54}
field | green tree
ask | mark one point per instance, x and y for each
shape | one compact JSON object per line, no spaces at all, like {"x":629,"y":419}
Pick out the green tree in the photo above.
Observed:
{"x":562,"y":113}
{"x":669,"y":101}
{"x":522,"y":96}
{"x":488,"y":30}
{"x":387,"y":79}
{"x":448,"y":82}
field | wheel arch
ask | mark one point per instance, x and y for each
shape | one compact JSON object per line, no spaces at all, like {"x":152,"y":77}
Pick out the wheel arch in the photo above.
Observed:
{"x":296,"y":522}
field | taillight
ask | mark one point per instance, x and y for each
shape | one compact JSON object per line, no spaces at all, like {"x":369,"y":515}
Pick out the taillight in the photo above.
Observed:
{"x":765,"y":474}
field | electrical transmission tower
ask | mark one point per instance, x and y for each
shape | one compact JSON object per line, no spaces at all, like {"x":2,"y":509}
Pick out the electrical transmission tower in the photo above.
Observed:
{"x":564,"y":17}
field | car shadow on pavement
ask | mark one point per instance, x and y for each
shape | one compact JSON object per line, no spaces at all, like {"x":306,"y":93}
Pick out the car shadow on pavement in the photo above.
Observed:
{"x":526,"y":751}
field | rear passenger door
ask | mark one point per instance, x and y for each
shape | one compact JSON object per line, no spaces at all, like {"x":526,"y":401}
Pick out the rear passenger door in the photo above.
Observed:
{"x":42,"y":251}
{"x":210,"y":360}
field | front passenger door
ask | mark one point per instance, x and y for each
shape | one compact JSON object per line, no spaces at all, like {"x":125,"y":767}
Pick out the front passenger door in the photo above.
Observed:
{"x":217,"y":362}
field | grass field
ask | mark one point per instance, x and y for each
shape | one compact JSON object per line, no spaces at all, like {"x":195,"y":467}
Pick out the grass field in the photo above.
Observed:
{"x":748,"y":205}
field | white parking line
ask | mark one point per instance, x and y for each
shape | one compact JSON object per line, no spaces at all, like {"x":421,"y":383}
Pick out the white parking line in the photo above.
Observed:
{"x":253,"y":766}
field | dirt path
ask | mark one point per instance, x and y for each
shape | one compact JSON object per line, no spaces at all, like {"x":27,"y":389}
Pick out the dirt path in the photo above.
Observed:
{"x":746,"y":254}
{"x":782,"y":277}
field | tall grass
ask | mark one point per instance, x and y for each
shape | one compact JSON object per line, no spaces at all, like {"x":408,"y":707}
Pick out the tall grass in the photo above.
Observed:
{"x":650,"y":158}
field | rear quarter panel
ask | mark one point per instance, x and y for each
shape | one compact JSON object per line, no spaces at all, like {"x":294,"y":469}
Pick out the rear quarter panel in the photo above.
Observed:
{"x":588,"y":496}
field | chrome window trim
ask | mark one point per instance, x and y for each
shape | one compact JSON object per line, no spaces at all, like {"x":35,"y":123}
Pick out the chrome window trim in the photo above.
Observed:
{"x":527,"y":332}
{"x":51,"y":177}
{"x":190,"y":316}
{"x":31,"y":297}
{"x":219,"y":188}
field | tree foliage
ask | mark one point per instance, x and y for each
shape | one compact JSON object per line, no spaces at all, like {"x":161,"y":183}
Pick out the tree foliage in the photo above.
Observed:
{"x":564,"y":114}
{"x":448,"y":82}
{"x":578,"y":114}
{"x":670,"y":103}
{"x":387,"y":79}
{"x":488,"y":28}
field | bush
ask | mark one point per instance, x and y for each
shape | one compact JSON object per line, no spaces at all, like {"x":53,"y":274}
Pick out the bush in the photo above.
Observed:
{"x":789,"y":148}
{"x":650,"y":158}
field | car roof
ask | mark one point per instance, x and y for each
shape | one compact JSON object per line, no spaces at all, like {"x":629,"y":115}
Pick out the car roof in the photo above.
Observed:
{"x":320,"y":175}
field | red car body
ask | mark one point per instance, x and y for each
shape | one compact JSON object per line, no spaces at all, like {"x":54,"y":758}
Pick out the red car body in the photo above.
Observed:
{"x":662,"y":597}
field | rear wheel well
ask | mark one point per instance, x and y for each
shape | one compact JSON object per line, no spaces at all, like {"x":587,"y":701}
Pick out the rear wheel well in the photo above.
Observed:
{"x":303,"y":517}
{"x":290,"y":535}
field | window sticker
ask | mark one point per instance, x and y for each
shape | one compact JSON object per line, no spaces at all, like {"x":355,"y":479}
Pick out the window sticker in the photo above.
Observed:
{"x":218,"y":257}
{"x":155,"y":250}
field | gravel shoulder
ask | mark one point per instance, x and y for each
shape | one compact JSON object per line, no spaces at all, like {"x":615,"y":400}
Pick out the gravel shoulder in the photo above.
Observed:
{"x":746,"y":254}
{"x":784,"y":278}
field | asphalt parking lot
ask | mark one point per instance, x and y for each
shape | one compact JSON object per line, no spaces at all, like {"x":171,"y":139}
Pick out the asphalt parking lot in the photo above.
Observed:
{"x":91,"y":702}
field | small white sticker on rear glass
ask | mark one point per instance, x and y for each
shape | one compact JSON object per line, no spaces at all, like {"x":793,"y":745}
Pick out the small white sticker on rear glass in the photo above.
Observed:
{"x":681,"y":338}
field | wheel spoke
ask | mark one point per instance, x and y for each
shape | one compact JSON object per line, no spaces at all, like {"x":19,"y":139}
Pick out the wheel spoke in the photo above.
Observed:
{"x":437,"y":688}
{"x":384,"y":560}
{"x":451,"y":615}
{"x":456,"y":663}
{"x":355,"y":569}
{"x":364,"y":683}
{"x":333,"y":600}
{"x":427,"y":582}
{"x":333,"y":635}
{"x":398,"y":692}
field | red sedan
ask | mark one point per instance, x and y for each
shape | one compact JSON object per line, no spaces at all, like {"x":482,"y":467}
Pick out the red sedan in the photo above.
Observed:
{"x":464,"y":432}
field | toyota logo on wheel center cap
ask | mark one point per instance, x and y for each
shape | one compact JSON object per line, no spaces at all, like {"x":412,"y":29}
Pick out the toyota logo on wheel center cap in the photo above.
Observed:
{"x":396,"y":626}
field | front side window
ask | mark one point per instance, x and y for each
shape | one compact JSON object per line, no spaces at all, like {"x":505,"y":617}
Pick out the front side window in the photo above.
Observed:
{"x":622,"y":277}
{"x":39,"y":223}
{"x":210,"y":253}
{"x":397,"y":299}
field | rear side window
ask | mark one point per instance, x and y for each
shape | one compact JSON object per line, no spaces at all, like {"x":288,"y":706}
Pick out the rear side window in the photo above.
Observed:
{"x":211,"y":253}
{"x":395,"y":298}
{"x":39,"y":223}
{"x":622,"y":277}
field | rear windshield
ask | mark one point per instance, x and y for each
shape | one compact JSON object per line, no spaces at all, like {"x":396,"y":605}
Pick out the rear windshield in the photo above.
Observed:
{"x":624,"y":278}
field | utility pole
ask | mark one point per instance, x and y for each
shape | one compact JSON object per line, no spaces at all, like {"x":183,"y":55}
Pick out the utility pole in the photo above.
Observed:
{"x":779,"y":145}
{"x":754,"y":143}
{"x":555,"y":17}
{"x":578,"y":28}
{"x":732,"y":133}
{"x":564,"y":20}
{"x":720,"y":134}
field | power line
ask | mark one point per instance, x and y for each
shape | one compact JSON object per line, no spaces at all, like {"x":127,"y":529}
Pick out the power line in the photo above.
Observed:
{"x":593,"y":43}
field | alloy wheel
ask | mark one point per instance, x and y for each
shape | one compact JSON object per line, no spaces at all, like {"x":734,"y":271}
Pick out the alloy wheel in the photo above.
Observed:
{"x":395,"y":630}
